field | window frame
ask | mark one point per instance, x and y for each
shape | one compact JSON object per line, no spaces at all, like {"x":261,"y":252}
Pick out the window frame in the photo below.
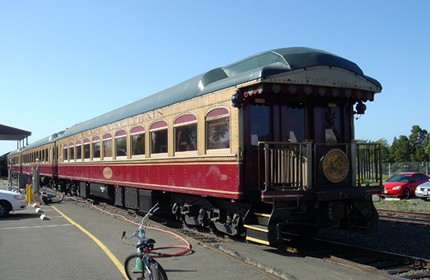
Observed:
{"x":182,"y":121}
{"x":216,"y":114}
{"x":65,"y":152}
{"x":107,"y":138}
{"x":78,"y":151}
{"x":122,"y":136}
{"x":136,"y":131}
{"x":96,"y":140}
{"x":157,"y":127}
{"x":85,"y":143}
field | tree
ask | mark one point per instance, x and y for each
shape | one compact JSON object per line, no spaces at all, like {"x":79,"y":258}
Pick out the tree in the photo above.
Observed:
{"x":386,"y":154}
{"x":417,"y":138}
{"x":401,"y":149}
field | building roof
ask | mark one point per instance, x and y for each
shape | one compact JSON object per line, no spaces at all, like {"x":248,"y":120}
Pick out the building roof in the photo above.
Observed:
{"x":11,"y":133}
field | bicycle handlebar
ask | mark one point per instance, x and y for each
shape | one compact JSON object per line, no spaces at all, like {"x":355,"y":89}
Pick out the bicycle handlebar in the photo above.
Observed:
{"x":138,"y":232}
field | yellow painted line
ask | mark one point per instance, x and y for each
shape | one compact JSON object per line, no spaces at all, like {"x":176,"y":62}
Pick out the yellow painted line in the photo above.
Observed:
{"x":102,"y":246}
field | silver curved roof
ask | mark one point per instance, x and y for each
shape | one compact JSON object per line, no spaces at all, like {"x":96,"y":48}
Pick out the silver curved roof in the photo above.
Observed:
{"x":263,"y":64}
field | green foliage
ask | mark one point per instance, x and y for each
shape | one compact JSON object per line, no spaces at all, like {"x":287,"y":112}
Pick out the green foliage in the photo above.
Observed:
{"x":415,"y":148}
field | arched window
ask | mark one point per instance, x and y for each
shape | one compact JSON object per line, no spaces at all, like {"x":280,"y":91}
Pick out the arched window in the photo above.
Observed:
{"x":218,"y":129}
{"x":71,"y":151}
{"x":86,"y":148}
{"x":137,"y":141}
{"x":107,"y":145}
{"x":78,"y":150}
{"x":185,"y":128}
{"x":158,"y":133}
{"x":96,"y":147}
{"x":65,"y":152}
{"x":121,"y":143}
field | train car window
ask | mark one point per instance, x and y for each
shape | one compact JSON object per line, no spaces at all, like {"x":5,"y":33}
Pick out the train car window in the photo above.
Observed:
{"x":186,"y":133}
{"x":107,"y":146}
{"x":296,"y":122}
{"x":158,"y":137}
{"x":137,"y":141}
{"x":121,"y":143}
{"x":71,"y":151}
{"x":217,"y":129}
{"x":86,"y":148}
{"x":78,"y":150}
{"x":332,"y":124}
{"x":260,"y":124}
{"x":96,"y":147}
{"x":65,"y":153}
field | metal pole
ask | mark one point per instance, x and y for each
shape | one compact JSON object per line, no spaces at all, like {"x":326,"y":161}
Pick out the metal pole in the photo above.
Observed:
{"x":10,"y":175}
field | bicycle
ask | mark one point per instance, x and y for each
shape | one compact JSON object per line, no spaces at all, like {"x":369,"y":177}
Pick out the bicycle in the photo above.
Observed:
{"x":141,"y":265}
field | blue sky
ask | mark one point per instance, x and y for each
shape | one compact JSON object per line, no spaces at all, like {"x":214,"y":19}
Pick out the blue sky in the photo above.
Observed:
{"x":63,"y":62}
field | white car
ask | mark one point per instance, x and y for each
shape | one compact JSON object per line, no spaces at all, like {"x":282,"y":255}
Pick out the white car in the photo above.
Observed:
{"x":11,"y":201}
{"x":423,"y":191}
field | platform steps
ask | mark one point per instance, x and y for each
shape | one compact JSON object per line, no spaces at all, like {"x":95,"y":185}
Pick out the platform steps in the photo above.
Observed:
{"x":259,"y":227}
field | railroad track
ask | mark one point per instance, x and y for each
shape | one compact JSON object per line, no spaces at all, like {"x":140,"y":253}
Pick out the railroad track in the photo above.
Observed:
{"x":390,"y":265}
{"x":404,"y":216}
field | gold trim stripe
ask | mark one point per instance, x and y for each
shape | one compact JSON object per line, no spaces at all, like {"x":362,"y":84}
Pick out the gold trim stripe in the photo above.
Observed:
{"x":256,"y":228}
{"x":153,"y":185}
{"x":257,"y":240}
{"x":281,"y":196}
{"x":262,"y":215}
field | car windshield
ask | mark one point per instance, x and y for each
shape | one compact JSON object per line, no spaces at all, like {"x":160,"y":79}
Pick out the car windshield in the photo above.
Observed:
{"x":399,"y":178}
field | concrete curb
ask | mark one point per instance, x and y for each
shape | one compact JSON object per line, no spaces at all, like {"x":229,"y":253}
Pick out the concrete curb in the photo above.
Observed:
{"x":272,"y":270}
{"x":43,"y":217}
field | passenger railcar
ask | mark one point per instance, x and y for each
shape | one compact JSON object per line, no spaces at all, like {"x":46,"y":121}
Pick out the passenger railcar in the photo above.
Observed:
{"x":252,"y":148}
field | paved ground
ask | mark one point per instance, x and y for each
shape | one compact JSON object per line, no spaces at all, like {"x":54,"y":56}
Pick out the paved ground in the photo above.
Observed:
{"x":73,"y":244}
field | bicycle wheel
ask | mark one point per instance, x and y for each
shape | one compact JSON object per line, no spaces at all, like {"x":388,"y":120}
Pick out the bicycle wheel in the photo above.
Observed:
{"x":134,"y":269}
{"x":157,"y":270}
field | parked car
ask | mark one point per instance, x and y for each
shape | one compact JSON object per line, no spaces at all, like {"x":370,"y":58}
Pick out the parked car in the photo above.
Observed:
{"x":11,"y":201}
{"x":423,"y":191}
{"x":403,"y":184}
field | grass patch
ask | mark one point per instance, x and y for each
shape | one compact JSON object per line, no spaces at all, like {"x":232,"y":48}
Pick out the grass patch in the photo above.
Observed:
{"x":403,"y":205}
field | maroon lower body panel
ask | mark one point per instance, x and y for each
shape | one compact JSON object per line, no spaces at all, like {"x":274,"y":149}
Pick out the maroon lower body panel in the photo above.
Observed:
{"x":210,"y":178}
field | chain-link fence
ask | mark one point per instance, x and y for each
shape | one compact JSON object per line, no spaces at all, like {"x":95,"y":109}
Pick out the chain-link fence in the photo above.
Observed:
{"x":389,"y":169}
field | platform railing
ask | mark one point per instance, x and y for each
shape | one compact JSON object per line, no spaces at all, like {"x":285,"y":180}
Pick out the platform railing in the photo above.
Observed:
{"x":289,"y":166}
{"x":369,"y":164}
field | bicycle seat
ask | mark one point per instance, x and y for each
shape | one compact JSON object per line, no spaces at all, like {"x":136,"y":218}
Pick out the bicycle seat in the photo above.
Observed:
{"x":145,"y":242}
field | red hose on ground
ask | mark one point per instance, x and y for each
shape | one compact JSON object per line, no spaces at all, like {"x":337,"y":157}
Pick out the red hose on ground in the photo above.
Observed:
{"x":186,"y":247}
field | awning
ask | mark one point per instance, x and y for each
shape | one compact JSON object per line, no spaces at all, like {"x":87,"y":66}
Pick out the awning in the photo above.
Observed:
{"x":295,"y":89}
{"x":11,"y":133}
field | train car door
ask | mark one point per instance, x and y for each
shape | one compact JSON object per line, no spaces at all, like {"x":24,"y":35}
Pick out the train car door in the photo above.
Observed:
{"x":270,"y":120}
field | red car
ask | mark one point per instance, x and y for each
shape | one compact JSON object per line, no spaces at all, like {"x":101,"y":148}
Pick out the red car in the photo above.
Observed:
{"x":403,"y":184}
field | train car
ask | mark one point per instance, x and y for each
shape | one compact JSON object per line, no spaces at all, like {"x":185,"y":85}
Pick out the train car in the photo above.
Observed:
{"x":41,"y":155}
{"x":260,"y":146}
{"x":14,"y":162}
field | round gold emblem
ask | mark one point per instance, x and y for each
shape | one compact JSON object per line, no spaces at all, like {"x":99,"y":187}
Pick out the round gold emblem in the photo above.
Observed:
{"x":107,"y":172}
{"x":335,"y":165}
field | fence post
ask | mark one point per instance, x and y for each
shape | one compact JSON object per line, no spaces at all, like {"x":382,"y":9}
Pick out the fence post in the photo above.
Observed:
{"x":353,"y":157}
{"x":309,"y":164}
